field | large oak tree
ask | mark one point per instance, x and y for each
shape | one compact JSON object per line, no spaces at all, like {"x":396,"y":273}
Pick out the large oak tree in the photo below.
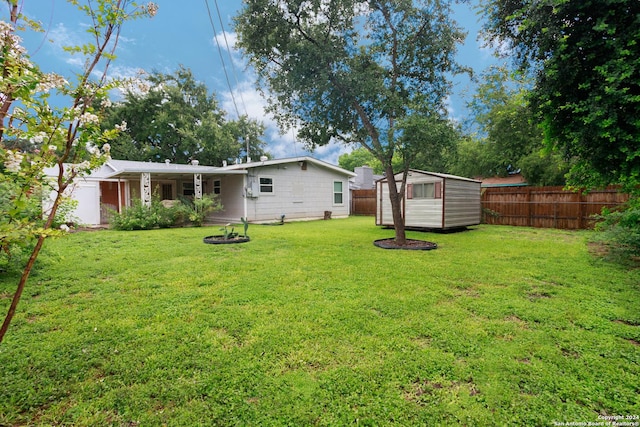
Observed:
{"x":177,"y":119}
{"x":374,"y":73}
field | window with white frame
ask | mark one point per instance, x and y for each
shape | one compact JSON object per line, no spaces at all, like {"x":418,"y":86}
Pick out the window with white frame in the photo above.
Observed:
{"x":424,"y":190}
{"x":266,"y":185}
{"x":338,"y":195}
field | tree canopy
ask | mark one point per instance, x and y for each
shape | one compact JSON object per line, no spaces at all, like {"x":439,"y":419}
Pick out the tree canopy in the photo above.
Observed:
{"x":586,"y":59}
{"x":177,"y":119}
{"x":510,"y":137}
{"x":374,"y":73}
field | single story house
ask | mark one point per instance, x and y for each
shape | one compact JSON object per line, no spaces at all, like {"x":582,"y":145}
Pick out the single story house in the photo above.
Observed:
{"x":432,"y":201}
{"x":299,"y":188}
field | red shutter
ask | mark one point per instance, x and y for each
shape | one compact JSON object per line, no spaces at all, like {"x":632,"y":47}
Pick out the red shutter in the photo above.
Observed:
{"x":438,"y":191}
{"x":409,"y":191}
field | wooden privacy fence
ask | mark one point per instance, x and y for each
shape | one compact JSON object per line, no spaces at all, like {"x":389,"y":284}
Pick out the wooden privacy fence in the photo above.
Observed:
{"x":546,"y":207}
{"x":363,"y":202}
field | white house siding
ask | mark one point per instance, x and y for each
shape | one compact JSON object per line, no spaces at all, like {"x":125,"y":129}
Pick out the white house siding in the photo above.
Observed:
{"x":297,"y":193}
{"x":462,"y":205}
{"x":87,"y":195}
{"x":231,"y":197}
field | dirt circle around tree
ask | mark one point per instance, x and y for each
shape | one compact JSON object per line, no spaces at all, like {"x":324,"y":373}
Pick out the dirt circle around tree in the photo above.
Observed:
{"x":220,"y":240}
{"x":411,"y":244}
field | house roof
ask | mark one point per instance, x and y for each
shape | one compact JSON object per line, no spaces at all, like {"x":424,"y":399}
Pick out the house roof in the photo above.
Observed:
{"x":115,"y":168}
{"x":244,"y":166}
{"x":439,"y":175}
{"x":515,"y":180}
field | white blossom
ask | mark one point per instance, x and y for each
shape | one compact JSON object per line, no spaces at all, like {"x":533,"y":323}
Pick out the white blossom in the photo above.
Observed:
{"x":65,"y":228}
{"x":38,"y":138}
{"x":50,"y":81}
{"x":92,"y":149}
{"x":13,"y":161}
{"x":122,"y":126}
{"x":151,"y":8}
{"x":88,"y":118}
{"x":106,"y":103}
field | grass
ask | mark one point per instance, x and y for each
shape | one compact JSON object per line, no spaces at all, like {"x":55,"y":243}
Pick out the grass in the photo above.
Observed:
{"x":310,"y":324}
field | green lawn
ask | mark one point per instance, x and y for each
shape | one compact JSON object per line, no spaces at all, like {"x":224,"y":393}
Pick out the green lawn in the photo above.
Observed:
{"x":311,"y":324}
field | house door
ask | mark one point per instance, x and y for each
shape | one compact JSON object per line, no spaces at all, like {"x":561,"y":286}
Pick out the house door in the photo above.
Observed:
{"x":109,"y":199}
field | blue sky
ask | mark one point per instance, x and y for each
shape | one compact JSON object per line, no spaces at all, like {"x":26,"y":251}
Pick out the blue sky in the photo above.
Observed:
{"x":182,"y":34}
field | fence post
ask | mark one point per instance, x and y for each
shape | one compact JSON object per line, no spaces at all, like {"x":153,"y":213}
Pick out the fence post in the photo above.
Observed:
{"x":528,"y":201}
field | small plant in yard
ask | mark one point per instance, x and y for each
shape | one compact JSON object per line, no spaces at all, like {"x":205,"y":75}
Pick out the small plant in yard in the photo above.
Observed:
{"x":228,"y":234}
{"x":245,"y":223}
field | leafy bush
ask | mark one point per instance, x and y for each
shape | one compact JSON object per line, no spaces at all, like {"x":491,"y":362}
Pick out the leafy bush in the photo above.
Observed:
{"x":197,"y":210}
{"x":141,"y":217}
{"x":619,"y":231}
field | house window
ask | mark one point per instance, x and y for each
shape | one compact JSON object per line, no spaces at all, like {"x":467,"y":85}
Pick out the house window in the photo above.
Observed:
{"x":188,"y":189}
{"x":337,"y":193}
{"x":266,"y":185}
{"x":425,"y":190}
{"x":217,"y":185}
{"x":167,"y":191}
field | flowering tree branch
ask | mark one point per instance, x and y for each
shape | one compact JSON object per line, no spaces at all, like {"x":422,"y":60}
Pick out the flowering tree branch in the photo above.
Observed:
{"x":64,"y":138}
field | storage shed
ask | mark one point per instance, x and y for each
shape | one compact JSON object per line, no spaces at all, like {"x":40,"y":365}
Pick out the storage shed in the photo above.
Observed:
{"x":432,"y":201}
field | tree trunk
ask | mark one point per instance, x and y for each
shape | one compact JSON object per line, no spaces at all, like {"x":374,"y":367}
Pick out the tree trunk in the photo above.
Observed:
{"x":21,"y":285}
{"x":395,"y":198}
{"x":32,"y":259}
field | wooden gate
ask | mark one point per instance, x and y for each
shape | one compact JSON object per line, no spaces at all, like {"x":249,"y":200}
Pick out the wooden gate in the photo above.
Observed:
{"x":363,"y":202}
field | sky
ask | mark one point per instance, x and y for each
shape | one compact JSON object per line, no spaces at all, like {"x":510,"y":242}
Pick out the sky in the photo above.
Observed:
{"x":182,"y":33}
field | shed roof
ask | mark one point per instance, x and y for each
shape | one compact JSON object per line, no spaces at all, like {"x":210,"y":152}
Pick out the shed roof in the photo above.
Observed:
{"x":439,"y":175}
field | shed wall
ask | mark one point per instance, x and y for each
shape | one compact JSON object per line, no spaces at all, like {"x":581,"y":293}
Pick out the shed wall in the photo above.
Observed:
{"x":425,"y":213}
{"x":462,"y":203}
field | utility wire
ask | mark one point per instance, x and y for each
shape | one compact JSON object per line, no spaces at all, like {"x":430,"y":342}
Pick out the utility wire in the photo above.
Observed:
{"x":233,"y":67}
{"x":224,"y":67}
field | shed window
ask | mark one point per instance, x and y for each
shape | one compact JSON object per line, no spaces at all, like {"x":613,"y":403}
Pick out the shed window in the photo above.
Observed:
{"x":337,"y":193}
{"x":425,"y":190}
{"x":217,"y":185}
{"x":266,"y":185}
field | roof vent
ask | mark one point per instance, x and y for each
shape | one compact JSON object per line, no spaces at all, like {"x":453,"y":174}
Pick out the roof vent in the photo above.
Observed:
{"x":224,"y":163}
{"x":195,"y":162}
{"x":263,"y":158}
{"x":167,"y":161}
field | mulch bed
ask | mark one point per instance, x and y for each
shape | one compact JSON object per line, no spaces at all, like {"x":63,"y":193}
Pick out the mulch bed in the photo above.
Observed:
{"x":411,"y":244}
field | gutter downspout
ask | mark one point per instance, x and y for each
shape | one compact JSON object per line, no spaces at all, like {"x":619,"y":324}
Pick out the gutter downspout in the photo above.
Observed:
{"x":244,"y":196}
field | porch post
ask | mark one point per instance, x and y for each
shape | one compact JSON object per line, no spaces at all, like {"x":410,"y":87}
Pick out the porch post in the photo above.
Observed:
{"x":197,"y":185}
{"x":145,"y":188}
{"x":119,"y":197}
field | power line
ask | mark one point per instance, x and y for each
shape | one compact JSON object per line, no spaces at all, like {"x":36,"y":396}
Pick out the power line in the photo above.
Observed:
{"x":233,"y":67}
{"x":224,"y":67}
